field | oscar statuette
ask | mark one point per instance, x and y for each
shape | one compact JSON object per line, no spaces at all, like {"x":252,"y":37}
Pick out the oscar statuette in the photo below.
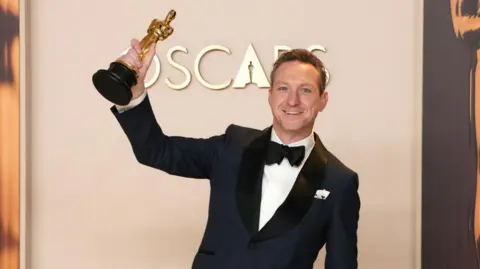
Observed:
{"x":115,"y":83}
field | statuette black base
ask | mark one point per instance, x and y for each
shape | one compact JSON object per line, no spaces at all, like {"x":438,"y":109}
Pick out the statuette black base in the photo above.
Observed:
{"x":115,"y":84}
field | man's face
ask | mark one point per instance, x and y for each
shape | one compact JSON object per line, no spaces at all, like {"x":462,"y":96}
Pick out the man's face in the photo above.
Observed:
{"x":295,"y":98}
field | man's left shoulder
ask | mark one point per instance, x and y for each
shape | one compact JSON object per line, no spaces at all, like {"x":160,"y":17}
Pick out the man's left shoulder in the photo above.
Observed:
{"x":342,"y":174}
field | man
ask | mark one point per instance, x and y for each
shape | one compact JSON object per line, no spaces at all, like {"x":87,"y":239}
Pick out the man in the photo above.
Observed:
{"x":271,"y":205}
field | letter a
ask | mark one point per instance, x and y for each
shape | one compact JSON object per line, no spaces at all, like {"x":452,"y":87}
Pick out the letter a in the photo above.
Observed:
{"x":251,"y":71}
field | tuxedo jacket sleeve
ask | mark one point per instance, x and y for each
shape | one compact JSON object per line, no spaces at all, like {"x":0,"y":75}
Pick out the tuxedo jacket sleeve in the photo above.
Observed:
{"x":341,"y":245}
{"x":175,"y":155}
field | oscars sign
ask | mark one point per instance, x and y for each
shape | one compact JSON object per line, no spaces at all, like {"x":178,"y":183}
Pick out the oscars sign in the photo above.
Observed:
{"x":249,"y":71}
{"x":115,"y":83}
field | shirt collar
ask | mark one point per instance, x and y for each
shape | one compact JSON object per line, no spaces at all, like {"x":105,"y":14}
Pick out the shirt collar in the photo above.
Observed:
{"x":308,"y":142}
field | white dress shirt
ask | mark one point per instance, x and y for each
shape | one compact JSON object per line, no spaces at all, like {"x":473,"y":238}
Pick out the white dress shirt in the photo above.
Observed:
{"x":278,"y":179}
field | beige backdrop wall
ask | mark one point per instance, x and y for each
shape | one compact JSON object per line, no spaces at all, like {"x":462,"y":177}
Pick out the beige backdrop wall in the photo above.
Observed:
{"x":93,"y":206}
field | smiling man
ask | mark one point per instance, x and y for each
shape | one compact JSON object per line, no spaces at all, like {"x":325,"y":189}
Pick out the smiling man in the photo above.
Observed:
{"x":277,"y":195}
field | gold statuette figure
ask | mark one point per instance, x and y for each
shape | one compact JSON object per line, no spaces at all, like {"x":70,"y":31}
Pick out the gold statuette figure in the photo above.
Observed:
{"x":115,"y":83}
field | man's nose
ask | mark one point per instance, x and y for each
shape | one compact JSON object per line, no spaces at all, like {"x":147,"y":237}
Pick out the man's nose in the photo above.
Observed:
{"x":293,"y":98}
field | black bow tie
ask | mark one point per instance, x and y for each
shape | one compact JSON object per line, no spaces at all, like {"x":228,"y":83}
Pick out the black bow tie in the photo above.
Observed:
{"x":277,"y":152}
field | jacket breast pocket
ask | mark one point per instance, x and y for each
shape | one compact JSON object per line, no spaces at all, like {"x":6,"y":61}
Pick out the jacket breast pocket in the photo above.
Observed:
{"x":317,"y":213}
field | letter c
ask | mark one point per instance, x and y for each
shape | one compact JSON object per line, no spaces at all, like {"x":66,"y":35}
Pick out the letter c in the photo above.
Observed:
{"x":197,"y":67}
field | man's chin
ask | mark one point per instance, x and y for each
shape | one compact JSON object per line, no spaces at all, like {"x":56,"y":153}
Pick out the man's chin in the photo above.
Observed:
{"x":292,"y":127}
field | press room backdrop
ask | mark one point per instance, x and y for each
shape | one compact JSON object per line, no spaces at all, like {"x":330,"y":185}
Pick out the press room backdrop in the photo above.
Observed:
{"x":9,"y":134}
{"x":93,"y":206}
{"x":451,"y":136}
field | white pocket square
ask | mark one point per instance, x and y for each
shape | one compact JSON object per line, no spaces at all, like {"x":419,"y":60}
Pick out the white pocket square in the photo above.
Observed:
{"x":322,"y":194}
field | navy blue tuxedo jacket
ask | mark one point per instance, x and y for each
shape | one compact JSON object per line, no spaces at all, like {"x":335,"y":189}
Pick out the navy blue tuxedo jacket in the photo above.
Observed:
{"x":233,"y":162}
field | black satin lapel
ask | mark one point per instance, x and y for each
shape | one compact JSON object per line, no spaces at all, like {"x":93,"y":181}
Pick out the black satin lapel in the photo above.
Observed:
{"x":300,"y":198}
{"x":249,"y":185}
{"x":314,"y":168}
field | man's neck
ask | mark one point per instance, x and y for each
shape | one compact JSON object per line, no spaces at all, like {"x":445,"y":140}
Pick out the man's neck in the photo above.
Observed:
{"x":291,"y":137}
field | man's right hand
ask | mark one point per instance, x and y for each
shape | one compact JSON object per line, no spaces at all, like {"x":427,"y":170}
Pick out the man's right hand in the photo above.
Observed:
{"x":141,"y":67}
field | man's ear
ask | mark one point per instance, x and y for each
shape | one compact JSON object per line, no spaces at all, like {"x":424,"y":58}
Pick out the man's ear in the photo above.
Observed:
{"x":323,"y":101}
